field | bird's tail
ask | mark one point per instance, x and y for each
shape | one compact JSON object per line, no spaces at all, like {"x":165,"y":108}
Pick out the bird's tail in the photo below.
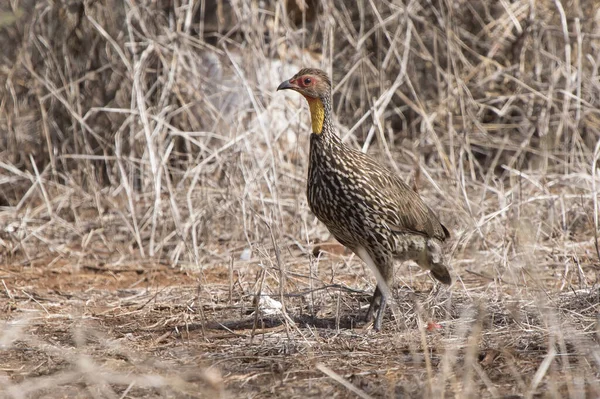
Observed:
{"x":433,"y":259}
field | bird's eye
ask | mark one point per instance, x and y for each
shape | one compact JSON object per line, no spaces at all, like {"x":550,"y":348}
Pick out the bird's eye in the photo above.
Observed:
{"x":307,"y":81}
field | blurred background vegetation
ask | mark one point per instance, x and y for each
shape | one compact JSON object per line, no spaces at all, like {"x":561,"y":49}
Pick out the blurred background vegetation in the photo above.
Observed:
{"x":156,"y":122}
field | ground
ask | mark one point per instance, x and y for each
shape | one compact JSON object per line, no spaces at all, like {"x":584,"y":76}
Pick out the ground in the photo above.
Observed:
{"x":151,"y":330}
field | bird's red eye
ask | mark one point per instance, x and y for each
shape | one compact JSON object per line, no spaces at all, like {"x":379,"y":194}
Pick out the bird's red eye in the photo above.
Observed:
{"x":307,"y":81}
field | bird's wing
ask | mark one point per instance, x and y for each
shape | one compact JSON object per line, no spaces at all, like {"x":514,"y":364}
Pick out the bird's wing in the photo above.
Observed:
{"x":401,"y":208}
{"x":413,"y":214}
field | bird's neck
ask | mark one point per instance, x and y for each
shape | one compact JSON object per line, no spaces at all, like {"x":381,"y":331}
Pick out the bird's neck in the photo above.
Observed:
{"x":320,"y":115}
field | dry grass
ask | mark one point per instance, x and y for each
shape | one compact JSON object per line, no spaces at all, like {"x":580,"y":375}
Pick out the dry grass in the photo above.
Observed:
{"x":152,"y":198}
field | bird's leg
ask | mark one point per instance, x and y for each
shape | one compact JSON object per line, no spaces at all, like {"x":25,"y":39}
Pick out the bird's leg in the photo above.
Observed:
{"x":375,"y":304}
{"x":383,"y":267}
{"x":380,"y":312}
{"x":377,"y":308}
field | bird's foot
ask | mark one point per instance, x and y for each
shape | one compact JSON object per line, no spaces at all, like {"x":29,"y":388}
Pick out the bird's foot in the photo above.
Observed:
{"x":374,"y":305}
{"x":376,"y":310}
{"x":379,"y":317}
{"x":369,"y":316}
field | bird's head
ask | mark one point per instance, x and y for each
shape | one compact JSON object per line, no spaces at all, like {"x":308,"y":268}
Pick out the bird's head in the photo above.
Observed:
{"x":315,"y":86}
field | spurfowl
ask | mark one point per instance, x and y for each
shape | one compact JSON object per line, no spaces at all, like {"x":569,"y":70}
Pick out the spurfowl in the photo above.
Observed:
{"x":366,"y":207}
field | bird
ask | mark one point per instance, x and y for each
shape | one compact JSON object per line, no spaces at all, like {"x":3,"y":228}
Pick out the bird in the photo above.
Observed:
{"x":366,"y":207}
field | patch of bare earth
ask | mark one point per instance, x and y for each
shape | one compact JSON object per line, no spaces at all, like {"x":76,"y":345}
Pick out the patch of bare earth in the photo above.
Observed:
{"x":149,"y":330}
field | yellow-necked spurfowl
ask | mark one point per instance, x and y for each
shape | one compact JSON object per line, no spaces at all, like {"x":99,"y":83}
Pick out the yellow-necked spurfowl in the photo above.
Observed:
{"x":366,"y":207}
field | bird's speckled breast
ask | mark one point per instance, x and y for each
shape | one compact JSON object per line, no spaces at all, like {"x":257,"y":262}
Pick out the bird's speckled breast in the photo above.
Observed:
{"x":343,"y":211}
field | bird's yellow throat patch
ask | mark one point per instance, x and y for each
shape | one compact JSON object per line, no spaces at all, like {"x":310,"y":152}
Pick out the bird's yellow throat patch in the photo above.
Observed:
{"x":317,"y":114}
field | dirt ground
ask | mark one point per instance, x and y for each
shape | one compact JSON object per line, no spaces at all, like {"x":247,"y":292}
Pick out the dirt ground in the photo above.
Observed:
{"x":72,"y":329}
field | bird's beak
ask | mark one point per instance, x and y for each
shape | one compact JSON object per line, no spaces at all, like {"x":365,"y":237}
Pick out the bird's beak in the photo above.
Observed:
{"x":286,"y":84}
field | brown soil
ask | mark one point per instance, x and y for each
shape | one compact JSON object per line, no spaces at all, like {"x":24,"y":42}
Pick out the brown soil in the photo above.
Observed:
{"x":140,"y":330}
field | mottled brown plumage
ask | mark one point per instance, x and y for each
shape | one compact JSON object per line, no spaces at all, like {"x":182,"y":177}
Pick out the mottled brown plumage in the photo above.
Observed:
{"x":366,"y":207}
